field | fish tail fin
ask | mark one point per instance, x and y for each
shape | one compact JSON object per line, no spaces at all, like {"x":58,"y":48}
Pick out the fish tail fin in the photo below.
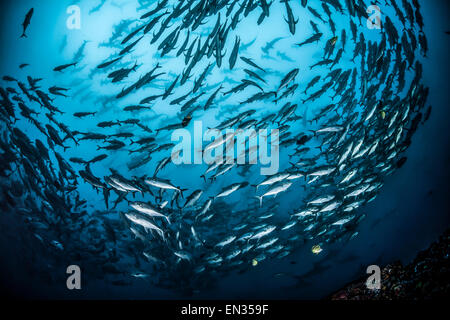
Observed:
{"x":181,"y":192}
{"x":23,"y":35}
{"x":260,"y":198}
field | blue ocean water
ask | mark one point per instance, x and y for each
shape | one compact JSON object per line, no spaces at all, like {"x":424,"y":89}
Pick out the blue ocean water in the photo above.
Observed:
{"x":410,"y":211}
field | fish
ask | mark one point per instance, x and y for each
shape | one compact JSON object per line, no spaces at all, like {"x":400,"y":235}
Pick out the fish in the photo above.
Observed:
{"x":148,"y":210}
{"x":234,"y":53}
{"x":26,"y":22}
{"x":230,"y":189}
{"x":274,"y":191}
{"x":64,"y":66}
{"x":193,"y":198}
{"x":163,"y":184}
{"x":269,"y":45}
{"x":108,"y":63}
{"x":251,"y":63}
{"x":288,"y":79}
{"x":273,"y":179}
{"x":291,"y":20}
{"x":144,"y":222}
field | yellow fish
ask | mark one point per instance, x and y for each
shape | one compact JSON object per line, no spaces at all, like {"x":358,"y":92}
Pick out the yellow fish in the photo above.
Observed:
{"x":316,"y":249}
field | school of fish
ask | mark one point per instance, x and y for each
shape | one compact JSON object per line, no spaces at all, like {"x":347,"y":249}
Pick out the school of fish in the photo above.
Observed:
{"x":342,"y":131}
